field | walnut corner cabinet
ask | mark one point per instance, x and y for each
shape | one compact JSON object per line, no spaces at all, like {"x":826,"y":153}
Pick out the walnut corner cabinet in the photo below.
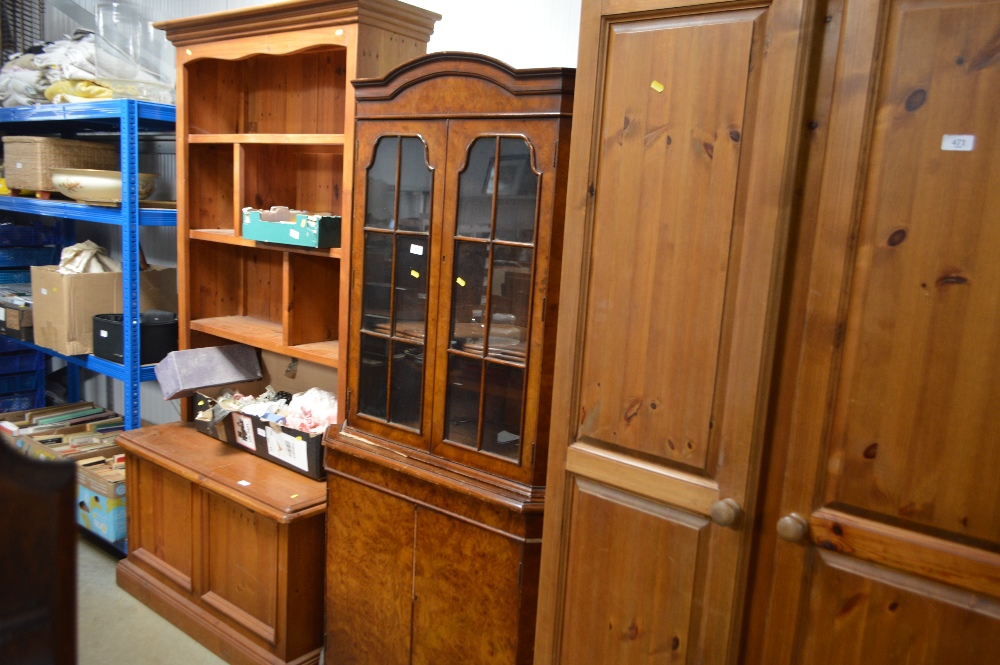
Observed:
{"x":774,"y":437}
{"x":436,"y":480}
{"x":265,"y":117}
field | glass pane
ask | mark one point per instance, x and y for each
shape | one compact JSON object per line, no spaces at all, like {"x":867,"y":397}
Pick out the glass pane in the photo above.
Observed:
{"x":381,"y":196}
{"x":475,"y":190}
{"x":373,"y":376}
{"x":468,"y":296}
{"x":414,"y":187}
{"x":378,"y":281}
{"x":517,"y":187}
{"x":502,"y":410}
{"x":411,"y":287}
{"x":407,"y":384}
{"x":462,"y":406}
{"x":510,"y":302}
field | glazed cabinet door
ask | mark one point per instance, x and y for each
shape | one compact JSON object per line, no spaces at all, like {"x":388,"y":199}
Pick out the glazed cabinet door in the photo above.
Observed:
{"x":679,"y":197}
{"x":399,"y":187}
{"x":496,"y":240}
{"x":889,"y":503}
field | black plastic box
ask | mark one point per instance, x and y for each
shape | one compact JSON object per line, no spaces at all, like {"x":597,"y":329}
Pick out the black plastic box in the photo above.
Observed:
{"x":158,"y":331}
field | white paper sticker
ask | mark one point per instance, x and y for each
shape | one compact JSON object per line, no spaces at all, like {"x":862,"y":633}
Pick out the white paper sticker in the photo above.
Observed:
{"x":104,"y":333}
{"x":960,"y":142}
{"x":416,"y":249}
{"x":45,"y":292}
{"x":245,"y":483}
{"x":287,"y":448}
{"x":294,"y":233}
{"x":260,"y":431}
{"x":18,"y":165}
{"x":244,"y":431}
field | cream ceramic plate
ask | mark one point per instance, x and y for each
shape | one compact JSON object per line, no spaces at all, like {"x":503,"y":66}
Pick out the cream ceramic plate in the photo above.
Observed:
{"x":92,"y":185}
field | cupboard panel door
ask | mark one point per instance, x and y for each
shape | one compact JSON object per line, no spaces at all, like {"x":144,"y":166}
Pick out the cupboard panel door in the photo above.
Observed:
{"x":658,"y":284}
{"x":680,"y":191}
{"x":915,"y":431}
{"x":644,"y":612}
{"x":165,"y":545}
{"x":461,"y":565}
{"x":241,"y":563}
{"x":860,"y":613}
{"x":889,"y":406}
{"x":369,"y":575}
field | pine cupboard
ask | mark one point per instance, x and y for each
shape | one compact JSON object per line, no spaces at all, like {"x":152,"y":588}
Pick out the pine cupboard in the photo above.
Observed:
{"x":437,"y":477}
{"x":783,"y":217}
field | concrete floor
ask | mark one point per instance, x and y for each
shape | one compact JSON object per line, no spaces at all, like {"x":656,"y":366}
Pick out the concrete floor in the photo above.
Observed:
{"x":113,"y":627}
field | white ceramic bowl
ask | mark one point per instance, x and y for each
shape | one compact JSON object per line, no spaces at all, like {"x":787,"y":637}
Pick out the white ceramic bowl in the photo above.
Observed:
{"x":98,"y":186}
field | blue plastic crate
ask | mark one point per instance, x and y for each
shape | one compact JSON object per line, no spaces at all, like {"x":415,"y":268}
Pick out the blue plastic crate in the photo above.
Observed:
{"x":10,"y":344}
{"x":15,"y":276}
{"x":15,"y":383}
{"x":21,"y":235}
{"x":24,"y":361}
{"x":18,"y":402}
{"x":11,"y":257}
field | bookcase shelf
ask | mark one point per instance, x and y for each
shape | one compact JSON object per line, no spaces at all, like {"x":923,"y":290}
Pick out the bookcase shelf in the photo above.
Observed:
{"x":266,"y":118}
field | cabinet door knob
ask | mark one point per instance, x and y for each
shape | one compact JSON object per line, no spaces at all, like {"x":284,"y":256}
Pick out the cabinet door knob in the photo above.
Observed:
{"x":725,"y":512}
{"x":792,"y":527}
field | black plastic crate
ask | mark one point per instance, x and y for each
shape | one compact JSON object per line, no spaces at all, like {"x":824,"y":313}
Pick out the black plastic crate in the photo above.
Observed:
{"x":158,"y":332}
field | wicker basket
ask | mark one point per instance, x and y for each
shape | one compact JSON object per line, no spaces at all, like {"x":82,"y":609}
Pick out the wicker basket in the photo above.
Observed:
{"x":29,"y":160}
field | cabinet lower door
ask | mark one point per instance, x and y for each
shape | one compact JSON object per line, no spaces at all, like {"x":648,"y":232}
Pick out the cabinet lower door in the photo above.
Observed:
{"x":888,"y":428}
{"x":408,"y":584}
{"x":678,"y":206}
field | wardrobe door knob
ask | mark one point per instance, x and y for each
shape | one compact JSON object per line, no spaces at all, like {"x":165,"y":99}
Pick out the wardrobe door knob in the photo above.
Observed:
{"x":792,"y":527}
{"x":725,"y":512}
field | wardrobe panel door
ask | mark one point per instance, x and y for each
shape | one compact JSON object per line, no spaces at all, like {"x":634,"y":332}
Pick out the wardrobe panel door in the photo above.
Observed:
{"x":683,"y":164}
{"x":887,"y":410}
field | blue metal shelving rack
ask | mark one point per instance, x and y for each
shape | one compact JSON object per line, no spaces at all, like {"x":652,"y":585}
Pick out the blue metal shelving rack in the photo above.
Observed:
{"x":129,"y":118}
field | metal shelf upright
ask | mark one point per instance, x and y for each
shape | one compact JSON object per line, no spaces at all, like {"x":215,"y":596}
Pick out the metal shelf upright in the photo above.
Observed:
{"x":129,"y":118}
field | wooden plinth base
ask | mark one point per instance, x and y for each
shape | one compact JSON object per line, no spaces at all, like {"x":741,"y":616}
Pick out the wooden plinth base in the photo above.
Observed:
{"x":213,"y":634}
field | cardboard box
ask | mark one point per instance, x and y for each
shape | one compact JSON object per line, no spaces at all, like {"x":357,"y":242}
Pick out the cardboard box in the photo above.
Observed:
{"x":65,"y":305}
{"x":100,"y":496}
{"x":299,"y":451}
{"x":182,"y":373}
{"x":212,"y":419}
{"x":16,"y":321}
{"x":35,"y":449}
{"x":291,"y":227}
